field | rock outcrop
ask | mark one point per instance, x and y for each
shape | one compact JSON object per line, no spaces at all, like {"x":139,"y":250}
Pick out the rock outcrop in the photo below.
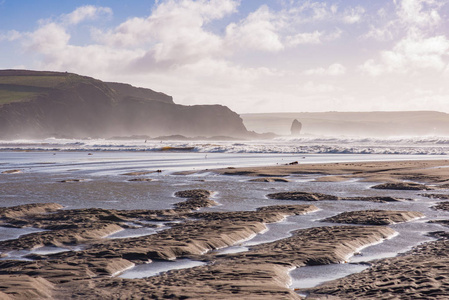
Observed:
{"x":296,"y":128}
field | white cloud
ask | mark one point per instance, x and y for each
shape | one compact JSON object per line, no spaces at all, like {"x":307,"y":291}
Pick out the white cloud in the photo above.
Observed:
{"x":315,"y":11}
{"x":333,"y":70}
{"x":316,"y":37}
{"x":171,"y":21}
{"x":409,"y":15}
{"x":51,"y":43}
{"x":92,"y":59}
{"x":381,"y":34}
{"x":383,"y":24}
{"x":257,"y":32}
{"x":49,"y":38}
{"x":414,"y":52}
{"x":420,"y":12}
{"x":334,"y":35}
{"x":370,"y":67}
{"x":131,"y":33}
{"x":175,"y":30}
{"x":417,"y":51}
{"x":87,"y":12}
{"x":353,"y":15}
{"x":305,"y":38}
{"x":222,"y":73}
{"x":52,"y":37}
{"x":419,"y":48}
{"x":207,"y":10}
{"x":11,"y":35}
{"x":174,"y":33}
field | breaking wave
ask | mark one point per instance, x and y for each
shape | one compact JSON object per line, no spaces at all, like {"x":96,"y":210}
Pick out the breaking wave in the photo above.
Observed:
{"x":303,"y":145}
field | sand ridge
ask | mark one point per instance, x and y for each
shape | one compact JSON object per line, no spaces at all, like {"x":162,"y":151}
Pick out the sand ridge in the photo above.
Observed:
{"x":103,"y":258}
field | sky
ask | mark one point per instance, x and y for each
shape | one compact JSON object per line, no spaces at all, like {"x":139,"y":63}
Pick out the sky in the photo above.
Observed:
{"x":254,"y":56}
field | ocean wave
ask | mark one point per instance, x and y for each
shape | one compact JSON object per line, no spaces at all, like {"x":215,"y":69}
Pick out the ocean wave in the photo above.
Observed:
{"x":303,"y":145}
{"x":428,"y":140}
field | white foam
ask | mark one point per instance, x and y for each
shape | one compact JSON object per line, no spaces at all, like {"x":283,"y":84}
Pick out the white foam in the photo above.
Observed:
{"x":302,"y":145}
{"x":123,"y":270}
{"x":112,"y":233}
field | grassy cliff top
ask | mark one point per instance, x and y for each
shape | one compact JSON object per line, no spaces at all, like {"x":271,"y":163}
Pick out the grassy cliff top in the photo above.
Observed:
{"x":24,"y":85}
{"x":40,"y":79}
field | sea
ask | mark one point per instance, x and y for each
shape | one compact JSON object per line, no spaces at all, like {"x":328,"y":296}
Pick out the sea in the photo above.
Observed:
{"x":431,"y":145}
{"x":84,"y":173}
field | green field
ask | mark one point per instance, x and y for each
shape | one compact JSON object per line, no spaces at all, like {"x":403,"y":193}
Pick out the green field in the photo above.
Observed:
{"x":24,"y":88}
{"x":18,"y":88}
{"x":34,"y":81}
{"x":13,"y":96}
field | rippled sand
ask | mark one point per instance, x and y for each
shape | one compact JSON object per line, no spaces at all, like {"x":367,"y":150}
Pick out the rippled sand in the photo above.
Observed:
{"x":233,"y":241}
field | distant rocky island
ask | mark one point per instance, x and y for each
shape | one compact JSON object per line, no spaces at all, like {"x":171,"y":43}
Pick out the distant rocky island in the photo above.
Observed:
{"x":40,"y":104}
{"x":296,"y":128}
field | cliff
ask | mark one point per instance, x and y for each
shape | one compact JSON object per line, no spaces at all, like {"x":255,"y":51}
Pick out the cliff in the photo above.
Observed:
{"x":35,"y":104}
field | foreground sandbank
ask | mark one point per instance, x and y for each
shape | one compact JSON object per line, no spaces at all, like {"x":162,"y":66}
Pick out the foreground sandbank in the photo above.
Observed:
{"x":260,"y":272}
{"x":89,"y":273}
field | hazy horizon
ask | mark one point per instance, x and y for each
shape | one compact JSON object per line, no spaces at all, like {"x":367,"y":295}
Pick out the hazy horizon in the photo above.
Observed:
{"x":252,"y":56}
{"x":341,"y":111}
{"x":362,"y":124}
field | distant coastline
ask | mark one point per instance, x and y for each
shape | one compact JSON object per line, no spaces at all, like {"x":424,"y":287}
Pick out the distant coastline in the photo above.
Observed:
{"x":353,"y":124}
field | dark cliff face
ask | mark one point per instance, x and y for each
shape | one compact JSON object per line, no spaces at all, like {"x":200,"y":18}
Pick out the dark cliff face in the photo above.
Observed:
{"x":170,"y":119}
{"x":125,"y":91}
{"x":72,"y":106}
{"x":73,"y":111}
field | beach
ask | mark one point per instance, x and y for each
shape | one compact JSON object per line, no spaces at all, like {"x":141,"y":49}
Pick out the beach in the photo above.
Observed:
{"x":224,"y":149}
{"x":118,"y":225}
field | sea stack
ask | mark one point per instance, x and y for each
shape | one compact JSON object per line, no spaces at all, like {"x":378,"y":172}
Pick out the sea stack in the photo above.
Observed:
{"x":296,"y":128}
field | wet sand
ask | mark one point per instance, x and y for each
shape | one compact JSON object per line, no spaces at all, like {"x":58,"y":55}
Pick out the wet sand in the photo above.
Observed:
{"x":433,"y":172}
{"x":91,"y":271}
{"x":422,"y":273}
